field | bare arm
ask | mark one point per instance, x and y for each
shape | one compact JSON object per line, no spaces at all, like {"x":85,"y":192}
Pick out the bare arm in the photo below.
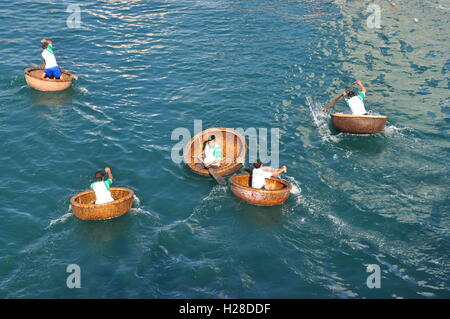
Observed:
{"x":108,"y":170}
{"x":361,"y":86}
{"x":344,"y":95}
{"x":279,"y":171}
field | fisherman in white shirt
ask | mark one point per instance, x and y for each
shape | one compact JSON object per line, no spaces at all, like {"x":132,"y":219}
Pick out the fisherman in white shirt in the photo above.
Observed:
{"x":101,"y":187}
{"x":212,"y":153}
{"x":355,"y":102}
{"x":51,"y":68}
{"x":260,"y":173}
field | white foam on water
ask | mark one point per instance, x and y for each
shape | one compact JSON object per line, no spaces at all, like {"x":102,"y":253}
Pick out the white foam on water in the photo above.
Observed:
{"x":140,"y":211}
{"x":337,"y":221}
{"x":296,"y":193}
{"x":296,"y":189}
{"x":216,"y":192}
{"x":208,"y":202}
{"x":427,"y":294}
{"x":393,"y":130}
{"x":58,"y":220}
{"x":320,"y":120}
{"x":83,"y":90}
{"x":136,"y":200}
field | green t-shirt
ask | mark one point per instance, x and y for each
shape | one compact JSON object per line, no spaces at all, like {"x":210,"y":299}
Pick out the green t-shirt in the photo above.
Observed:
{"x":49,"y":48}
{"x":361,"y":96}
{"x":216,"y":150}
{"x":107,"y":183}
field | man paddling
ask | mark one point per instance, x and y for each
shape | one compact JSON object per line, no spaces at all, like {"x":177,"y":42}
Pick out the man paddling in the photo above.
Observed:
{"x":212,"y":153}
{"x":356,"y":102}
{"x":260,"y":173}
{"x":101,"y":187}
{"x":51,"y":68}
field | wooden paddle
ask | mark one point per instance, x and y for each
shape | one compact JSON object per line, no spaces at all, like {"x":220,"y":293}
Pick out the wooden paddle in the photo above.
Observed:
{"x":334,"y":101}
{"x":219,"y":179}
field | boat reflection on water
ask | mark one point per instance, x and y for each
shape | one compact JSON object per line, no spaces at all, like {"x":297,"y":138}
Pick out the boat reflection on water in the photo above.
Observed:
{"x":98,"y":233}
{"x":261,"y":216}
{"x":51,"y":98}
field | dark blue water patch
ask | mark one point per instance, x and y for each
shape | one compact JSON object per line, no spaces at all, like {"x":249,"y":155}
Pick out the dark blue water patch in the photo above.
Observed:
{"x":385,"y":51}
{"x":383,"y":36}
{"x":445,"y":108}
{"x":446,"y":67}
{"x":380,"y":79}
{"x":445,"y":128}
{"x":406,"y":47}
{"x":432,"y":82}
{"x":369,"y":58}
{"x":419,"y":68}
{"x":423,"y":90}
{"x":431,"y":114}
{"x":363,"y":144}
{"x":432,"y":54}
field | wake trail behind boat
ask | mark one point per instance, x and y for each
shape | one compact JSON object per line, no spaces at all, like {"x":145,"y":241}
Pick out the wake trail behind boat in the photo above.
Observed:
{"x":61,"y":219}
{"x":320,"y":119}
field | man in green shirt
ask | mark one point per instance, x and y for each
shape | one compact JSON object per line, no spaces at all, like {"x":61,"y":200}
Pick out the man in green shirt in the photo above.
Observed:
{"x":51,"y":68}
{"x":212,"y":153}
{"x":101,"y":186}
{"x":356,"y":102}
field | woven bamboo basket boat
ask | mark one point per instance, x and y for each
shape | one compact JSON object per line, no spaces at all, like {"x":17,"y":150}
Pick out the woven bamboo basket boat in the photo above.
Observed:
{"x":276,"y":191}
{"x":34,"y":79}
{"x":234,"y":149}
{"x":359,"y":124}
{"x":83,"y":206}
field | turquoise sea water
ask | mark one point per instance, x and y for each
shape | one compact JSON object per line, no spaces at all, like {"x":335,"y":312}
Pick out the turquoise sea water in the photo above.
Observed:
{"x":148,"y":67}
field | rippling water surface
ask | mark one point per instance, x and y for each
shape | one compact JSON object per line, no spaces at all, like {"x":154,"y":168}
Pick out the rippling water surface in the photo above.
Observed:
{"x":148,"y":67}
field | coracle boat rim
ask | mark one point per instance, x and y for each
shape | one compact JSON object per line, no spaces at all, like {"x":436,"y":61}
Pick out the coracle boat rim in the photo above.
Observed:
{"x":232,"y":161}
{"x":287,"y":186}
{"x":372,"y":116}
{"x":239,"y":158}
{"x":67,"y":73}
{"x":122,"y":199}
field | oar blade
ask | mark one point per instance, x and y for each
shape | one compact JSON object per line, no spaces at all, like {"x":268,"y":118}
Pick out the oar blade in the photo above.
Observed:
{"x":219,"y":179}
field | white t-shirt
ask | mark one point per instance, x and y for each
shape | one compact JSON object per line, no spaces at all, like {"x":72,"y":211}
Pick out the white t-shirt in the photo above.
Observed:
{"x":259,"y":176}
{"x":102,"y":193}
{"x":356,"y":104}
{"x":212,"y":154}
{"x":50,"y":60}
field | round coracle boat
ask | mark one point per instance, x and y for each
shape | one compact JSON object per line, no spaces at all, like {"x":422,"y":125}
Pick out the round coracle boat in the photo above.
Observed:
{"x":34,"y":79}
{"x":276,"y":191}
{"x":359,"y":124}
{"x":83,"y":206}
{"x":234,"y":149}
